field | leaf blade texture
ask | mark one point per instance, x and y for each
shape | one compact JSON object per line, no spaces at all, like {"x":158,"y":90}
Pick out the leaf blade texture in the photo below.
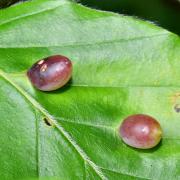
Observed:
{"x":122,"y":66}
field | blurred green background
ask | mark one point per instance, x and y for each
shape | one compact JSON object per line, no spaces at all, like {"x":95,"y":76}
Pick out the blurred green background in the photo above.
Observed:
{"x":165,"y":13}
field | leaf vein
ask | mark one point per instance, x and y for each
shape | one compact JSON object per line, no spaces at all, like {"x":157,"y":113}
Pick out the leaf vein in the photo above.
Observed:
{"x":76,"y":44}
{"x":100,"y":126}
{"x":131,"y":175}
{"x":32,"y":14}
{"x":87,"y":124}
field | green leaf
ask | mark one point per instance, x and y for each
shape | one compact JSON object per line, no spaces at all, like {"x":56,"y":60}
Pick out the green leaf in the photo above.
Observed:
{"x":122,"y":66}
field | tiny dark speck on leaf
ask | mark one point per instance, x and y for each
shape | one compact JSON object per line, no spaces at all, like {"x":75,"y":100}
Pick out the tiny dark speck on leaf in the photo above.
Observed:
{"x":47,"y":122}
{"x":177,"y":108}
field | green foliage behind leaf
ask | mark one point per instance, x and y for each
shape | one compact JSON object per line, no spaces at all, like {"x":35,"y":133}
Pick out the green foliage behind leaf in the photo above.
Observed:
{"x":163,"y":12}
{"x":5,"y":3}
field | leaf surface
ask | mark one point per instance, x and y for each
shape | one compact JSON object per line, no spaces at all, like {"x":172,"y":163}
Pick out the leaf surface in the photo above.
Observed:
{"x":122,"y":66}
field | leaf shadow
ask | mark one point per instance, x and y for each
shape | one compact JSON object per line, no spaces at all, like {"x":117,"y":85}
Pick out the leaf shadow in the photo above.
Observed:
{"x":62,"y":89}
{"x":152,"y":150}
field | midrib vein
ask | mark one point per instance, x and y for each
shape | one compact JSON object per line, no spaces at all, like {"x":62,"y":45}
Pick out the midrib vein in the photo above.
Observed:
{"x":51,"y":119}
{"x":37,"y":143}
